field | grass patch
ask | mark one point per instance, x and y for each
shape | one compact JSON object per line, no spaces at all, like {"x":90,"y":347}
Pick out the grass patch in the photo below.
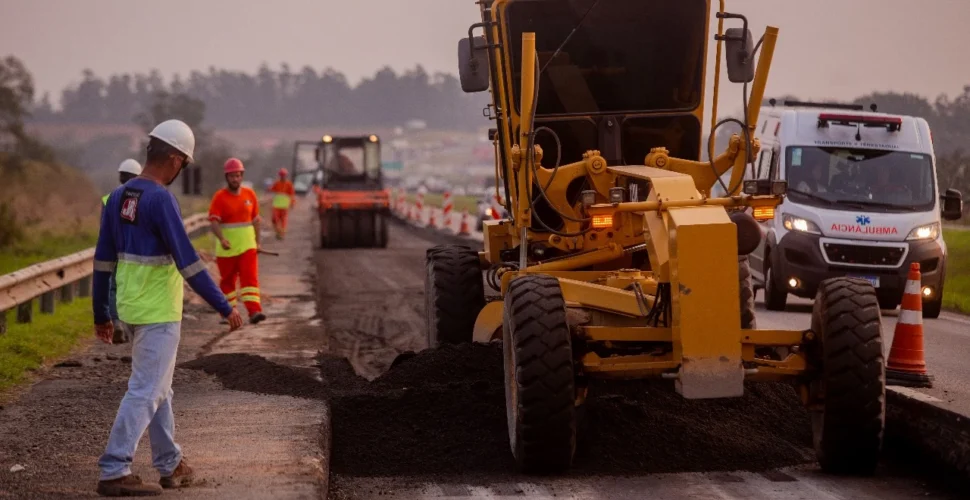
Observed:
{"x":956,"y":290}
{"x":28,"y":346}
{"x":46,"y":247}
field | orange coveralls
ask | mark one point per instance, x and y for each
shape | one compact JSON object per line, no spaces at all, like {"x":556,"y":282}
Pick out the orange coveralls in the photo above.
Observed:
{"x":235,"y":214}
{"x":284,"y":199}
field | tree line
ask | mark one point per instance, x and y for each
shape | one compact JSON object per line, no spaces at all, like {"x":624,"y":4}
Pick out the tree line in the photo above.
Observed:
{"x":273,"y":98}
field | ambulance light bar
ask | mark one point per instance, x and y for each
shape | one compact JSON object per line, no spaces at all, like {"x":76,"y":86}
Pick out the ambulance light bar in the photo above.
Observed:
{"x":891,"y":123}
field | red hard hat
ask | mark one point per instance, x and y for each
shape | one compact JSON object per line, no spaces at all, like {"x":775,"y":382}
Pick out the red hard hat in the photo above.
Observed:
{"x":233,"y":165}
{"x":283,"y":172}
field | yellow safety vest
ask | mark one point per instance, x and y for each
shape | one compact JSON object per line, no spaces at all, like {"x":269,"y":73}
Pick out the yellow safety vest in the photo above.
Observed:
{"x":281,"y":200}
{"x":241,"y":237}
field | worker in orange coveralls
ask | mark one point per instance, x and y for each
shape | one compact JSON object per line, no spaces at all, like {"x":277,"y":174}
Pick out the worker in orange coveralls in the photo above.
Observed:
{"x":283,"y":200}
{"x":234,"y":214}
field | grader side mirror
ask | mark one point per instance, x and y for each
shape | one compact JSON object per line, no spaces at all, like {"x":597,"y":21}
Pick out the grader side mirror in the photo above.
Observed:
{"x":473,"y":64}
{"x":740,"y":55}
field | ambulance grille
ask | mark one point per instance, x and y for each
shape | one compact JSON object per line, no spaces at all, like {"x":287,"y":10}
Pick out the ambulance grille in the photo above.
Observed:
{"x":839,"y":253}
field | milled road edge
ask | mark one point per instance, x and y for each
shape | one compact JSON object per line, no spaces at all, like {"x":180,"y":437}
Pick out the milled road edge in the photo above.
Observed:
{"x":914,"y":421}
{"x":326,"y":441}
{"x":919,"y":423}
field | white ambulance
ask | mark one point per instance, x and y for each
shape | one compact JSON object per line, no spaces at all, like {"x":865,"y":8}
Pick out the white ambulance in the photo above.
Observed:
{"x":862,"y":201}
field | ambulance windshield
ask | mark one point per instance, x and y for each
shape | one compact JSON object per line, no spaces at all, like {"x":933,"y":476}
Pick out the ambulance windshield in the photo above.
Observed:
{"x":869,"y":178}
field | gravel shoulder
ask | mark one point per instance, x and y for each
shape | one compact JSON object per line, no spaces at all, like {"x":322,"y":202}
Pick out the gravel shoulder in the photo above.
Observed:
{"x":242,"y":444}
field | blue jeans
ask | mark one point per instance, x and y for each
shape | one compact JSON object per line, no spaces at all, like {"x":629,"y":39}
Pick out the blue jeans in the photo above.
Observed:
{"x":147,"y":404}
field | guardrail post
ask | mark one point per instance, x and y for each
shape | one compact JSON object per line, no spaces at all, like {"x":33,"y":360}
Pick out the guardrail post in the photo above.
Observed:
{"x":68,"y":292}
{"x":47,"y":303}
{"x":84,"y":287}
{"x":3,"y":322}
{"x":25,"y":312}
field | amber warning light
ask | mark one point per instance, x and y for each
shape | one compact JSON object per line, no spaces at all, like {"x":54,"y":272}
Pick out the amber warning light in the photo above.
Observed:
{"x":602,"y":221}
{"x":764,"y":213}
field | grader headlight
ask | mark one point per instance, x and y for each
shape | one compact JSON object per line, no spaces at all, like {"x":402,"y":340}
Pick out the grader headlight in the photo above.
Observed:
{"x":616,"y":194}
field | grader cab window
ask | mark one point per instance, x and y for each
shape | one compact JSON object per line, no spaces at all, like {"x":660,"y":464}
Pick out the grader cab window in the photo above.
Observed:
{"x":625,"y":56}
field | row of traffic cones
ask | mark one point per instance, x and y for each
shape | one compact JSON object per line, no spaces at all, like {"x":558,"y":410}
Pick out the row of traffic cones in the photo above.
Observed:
{"x":907,"y":365}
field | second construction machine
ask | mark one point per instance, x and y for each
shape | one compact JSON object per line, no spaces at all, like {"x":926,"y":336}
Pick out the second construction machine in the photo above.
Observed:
{"x":352,"y":202}
{"x":615,"y":262}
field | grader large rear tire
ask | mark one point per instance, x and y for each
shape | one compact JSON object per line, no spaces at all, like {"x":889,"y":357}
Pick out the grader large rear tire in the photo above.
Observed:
{"x":848,"y":430}
{"x":454,"y":294}
{"x":539,"y":378}
{"x":746,"y":292}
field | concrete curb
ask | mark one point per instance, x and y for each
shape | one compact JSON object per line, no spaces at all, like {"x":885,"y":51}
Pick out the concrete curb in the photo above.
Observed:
{"x":920,"y":424}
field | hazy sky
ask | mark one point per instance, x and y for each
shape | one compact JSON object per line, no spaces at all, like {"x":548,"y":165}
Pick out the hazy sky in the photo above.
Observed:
{"x":834,"y":48}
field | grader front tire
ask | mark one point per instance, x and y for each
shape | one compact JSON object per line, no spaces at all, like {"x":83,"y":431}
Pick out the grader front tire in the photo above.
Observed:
{"x":848,"y":430}
{"x":454,"y":293}
{"x":539,"y":377}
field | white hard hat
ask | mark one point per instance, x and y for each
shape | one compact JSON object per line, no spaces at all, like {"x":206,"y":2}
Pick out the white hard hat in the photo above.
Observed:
{"x":130,"y":166}
{"x":177,"y":134}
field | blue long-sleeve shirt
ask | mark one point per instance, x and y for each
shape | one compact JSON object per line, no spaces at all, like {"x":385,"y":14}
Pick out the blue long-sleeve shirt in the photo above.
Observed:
{"x":142,"y":239}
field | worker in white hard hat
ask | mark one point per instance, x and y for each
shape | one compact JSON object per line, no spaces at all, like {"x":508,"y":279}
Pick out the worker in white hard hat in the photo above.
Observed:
{"x":143,"y":240}
{"x":129,"y":169}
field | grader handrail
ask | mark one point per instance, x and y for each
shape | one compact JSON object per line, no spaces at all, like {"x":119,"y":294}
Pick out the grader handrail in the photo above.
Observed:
{"x":19,"y":288}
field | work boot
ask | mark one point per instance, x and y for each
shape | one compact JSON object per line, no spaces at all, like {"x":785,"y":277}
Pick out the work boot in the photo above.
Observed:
{"x":256,"y":318}
{"x":183,"y":475}
{"x":127,"y":486}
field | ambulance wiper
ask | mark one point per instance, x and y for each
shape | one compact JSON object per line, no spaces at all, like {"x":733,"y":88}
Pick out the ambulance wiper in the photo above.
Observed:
{"x":867,"y":203}
{"x":812,"y":196}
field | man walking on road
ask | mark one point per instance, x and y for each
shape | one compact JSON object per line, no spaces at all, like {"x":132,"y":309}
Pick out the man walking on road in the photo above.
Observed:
{"x":128,"y":170}
{"x":234,"y":213}
{"x":283,"y":200}
{"x":143,"y":240}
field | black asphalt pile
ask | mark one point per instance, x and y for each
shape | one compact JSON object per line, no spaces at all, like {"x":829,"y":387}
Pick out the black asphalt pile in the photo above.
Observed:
{"x":250,"y":373}
{"x":442,"y":412}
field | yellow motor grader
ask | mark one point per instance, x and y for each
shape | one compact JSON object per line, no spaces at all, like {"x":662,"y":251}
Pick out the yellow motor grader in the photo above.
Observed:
{"x":615,"y":262}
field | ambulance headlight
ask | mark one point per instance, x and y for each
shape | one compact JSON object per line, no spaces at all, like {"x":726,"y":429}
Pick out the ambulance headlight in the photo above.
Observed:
{"x":799,"y":224}
{"x":927,"y":232}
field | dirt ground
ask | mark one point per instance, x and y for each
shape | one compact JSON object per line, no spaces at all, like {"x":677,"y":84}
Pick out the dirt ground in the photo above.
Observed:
{"x":242,"y":444}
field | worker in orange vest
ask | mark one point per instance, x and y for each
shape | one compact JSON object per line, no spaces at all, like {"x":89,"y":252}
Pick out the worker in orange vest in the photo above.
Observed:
{"x":234,"y":214}
{"x":283,"y":200}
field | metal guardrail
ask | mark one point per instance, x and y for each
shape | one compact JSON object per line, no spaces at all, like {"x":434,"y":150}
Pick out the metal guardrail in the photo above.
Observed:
{"x":65,"y":278}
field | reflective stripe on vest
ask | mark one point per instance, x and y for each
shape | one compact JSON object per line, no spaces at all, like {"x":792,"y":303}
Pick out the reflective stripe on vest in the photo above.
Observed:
{"x":104,"y":199}
{"x":150,"y":289}
{"x":281,"y":201}
{"x":241,"y":236}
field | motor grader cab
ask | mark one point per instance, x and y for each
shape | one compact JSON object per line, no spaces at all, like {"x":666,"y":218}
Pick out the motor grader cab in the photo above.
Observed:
{"x":352,"y":202}
{"x":615,"y":262}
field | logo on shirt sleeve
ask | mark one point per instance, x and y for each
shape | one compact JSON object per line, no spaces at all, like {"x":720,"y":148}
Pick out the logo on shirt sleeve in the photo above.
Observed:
{"x":129,"y":205}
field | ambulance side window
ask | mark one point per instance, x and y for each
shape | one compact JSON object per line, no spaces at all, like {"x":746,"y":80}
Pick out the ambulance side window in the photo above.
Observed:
{"x":765,"y":159}
{"x":773,"y":166}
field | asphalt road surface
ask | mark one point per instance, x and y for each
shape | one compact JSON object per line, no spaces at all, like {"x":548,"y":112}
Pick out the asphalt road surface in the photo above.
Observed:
{"x":946,"y":341}
{"x":372,"y":307}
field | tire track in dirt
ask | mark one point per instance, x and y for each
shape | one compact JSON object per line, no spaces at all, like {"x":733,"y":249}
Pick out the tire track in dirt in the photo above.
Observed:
{"x":372,"y":301}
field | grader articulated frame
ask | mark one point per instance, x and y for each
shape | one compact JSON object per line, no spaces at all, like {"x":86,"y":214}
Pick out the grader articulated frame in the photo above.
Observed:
{"x":638,"y":272}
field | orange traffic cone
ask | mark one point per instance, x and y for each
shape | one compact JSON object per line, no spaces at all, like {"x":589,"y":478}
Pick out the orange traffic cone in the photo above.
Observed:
{"x":464,"y":230}
{"x":906,"y":365}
